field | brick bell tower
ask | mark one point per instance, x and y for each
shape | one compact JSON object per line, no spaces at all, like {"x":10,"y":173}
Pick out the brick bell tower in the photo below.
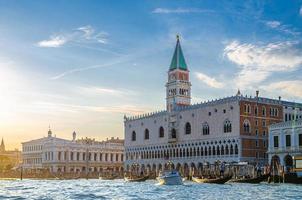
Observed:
{"x":178,"y":87}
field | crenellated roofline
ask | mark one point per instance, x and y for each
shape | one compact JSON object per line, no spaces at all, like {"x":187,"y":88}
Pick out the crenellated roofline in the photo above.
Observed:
{"x":217,"y":102}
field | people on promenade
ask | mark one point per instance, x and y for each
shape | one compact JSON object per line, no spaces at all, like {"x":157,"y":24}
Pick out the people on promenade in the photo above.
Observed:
{"x":222,"y":169}
{"x":258,"y":170}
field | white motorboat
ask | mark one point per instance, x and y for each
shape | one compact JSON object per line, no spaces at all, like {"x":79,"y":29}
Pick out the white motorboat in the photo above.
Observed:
{"x":170,"y":177}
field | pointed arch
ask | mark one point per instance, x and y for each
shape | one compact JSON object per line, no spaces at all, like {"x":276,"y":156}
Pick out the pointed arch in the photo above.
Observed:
{"x":205,"y":128}
{"x":133,"y":136}
{"x":227,"y":126}
{"x":146,"y":134}
{"x":161,"y":132}
{"x":246,"y":126}
{"x":188,"y":128}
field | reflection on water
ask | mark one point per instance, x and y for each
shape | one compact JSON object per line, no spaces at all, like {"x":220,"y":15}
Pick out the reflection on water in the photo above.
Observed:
{"x":118,"y":189}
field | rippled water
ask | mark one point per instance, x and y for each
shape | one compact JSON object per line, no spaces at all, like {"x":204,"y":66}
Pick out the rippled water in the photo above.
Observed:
{"x":118,"y":189}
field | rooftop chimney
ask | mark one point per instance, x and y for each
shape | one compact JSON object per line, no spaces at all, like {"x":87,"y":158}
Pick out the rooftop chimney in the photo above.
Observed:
{"x":257,"y":93}
{"x":279,"y":98}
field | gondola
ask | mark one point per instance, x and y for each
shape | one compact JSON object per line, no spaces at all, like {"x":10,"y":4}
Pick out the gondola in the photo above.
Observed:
{"x":137,"y":179}
{"x":108,"y":177}
{"x":212,"y":180}
{"x":250,"y":180}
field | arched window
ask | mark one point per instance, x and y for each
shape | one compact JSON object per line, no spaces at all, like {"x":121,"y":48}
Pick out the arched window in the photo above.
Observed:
{"x":263,"y":111}
{"x":188,"y":128}
{"x":231,"y":150}
{"x":227,"y":150}
{"x":146,"y":134}
{"x":173,"y":133}
{"x":227,"y":127}
{"x":161,"y":132}
{"x":133,"y":138}
{"x":256,"y":110}
{"x":236,"y":149}
{"x":276,"y":112}
{"x":246,"y":126}
{"x":205,"y":129}
{"x":222,"y":150}
{"x":247,"y":108}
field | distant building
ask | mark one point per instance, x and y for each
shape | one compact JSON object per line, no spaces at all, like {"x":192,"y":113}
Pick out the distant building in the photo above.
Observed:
{"x":285,"y":142}
{"x":9,"y":158}
{"x":231,"y":129}
{"x":82,"y":155}
{"x":2,"y":146}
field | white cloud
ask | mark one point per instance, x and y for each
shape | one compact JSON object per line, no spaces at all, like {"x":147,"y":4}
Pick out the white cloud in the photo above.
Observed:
{"x":273,"y":24}
{"x":288,"y":89}
{"x":54,"y":41}
{"x":179,"y":10}
{"x":212,"y":82}
{"x":257,"y":62}
{"x":282,"y":27}
{"x":76,"y":70}
{"x":91,"y":35}
{"x":106,"y":91}
{"x":81,"y":35}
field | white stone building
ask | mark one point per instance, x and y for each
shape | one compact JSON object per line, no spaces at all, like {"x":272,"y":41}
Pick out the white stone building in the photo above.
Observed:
{"x":231,"y":129}
{"x":285,"y":142}
{"x":76,"y":155}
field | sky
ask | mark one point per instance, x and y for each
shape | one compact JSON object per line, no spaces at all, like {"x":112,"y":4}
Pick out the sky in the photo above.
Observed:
{"x":82,"y":65}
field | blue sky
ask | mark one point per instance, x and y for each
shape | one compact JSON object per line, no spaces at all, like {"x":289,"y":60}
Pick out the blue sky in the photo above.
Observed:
{"x":82,"y":65}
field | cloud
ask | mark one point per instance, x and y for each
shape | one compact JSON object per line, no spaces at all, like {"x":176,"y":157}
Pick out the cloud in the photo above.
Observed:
{"x":257,"y":62}
{"x":289,"y":89}
{"x":50,"y":107}
{"x":273,"y":24}
{"x":300,"y":12}
{"x":179,"y":10}
{"x":76,"y":70}
{"x":54,"y":41}
{"x":212,"y":82}
{"x":81,"y":35}
{"x":276,"y":25}
{"x":106,"y":91}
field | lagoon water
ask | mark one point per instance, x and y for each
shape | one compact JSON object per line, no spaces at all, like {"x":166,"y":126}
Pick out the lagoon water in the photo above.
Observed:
{"x":118,"y":189}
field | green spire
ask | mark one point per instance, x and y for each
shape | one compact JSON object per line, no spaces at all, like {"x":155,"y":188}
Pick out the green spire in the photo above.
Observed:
{"x":178,"y":60}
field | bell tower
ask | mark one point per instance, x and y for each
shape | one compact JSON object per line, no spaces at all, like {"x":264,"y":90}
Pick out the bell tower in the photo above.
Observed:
{"x":178,"y":87}
{"x":2,"y":146}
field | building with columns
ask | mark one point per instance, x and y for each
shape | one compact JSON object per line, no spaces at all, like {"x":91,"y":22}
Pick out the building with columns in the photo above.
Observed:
{"x":285,"y":142}
{"x":76,"y":155}
{"x":230,"y":129}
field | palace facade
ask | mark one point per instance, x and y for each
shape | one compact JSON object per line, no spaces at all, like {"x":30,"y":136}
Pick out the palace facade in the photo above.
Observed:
{"x":231,"y":129}
{"x":285,"y":142}
{"x":76,"y":155}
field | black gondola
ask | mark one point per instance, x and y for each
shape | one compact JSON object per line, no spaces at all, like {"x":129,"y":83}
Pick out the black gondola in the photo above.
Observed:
{"x":251,"y":180}
{"x":212,"y":180}
{"x":138,"y":179}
